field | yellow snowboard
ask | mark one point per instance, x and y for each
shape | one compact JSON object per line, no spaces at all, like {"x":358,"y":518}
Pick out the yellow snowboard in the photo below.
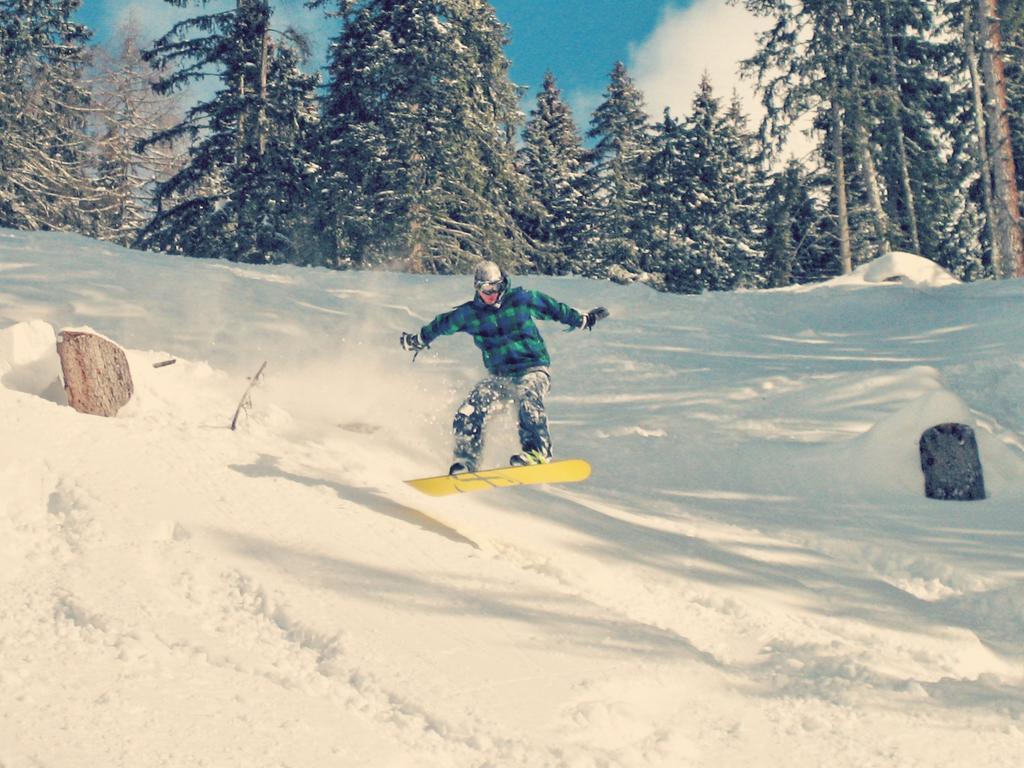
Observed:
{"x":565,"y":471}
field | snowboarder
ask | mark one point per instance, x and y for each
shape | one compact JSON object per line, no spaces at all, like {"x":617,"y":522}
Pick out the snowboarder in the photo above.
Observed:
{"x":500,"y":320}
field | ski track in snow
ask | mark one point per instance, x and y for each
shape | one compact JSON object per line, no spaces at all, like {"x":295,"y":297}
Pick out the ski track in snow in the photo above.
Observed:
{"x":750,"y":578}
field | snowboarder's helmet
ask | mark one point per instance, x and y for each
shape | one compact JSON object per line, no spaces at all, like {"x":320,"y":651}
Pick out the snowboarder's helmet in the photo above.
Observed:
{"x":490,"y":283}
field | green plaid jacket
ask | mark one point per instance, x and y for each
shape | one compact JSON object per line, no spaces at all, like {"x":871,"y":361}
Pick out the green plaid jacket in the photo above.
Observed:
{"x":507,"y":335}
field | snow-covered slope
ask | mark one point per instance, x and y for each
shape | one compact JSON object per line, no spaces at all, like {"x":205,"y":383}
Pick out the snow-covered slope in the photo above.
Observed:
{"x":751,"y":577}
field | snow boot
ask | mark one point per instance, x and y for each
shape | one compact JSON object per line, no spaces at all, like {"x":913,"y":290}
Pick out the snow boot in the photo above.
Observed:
{"x":526,"y":458}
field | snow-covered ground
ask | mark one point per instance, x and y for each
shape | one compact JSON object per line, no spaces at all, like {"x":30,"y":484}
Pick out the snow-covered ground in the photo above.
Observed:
{"x":751,"y":577}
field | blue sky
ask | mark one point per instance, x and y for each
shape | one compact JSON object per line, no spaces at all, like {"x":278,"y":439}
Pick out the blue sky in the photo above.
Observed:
{"x":666,"y":44}
{"x":578,"y":40}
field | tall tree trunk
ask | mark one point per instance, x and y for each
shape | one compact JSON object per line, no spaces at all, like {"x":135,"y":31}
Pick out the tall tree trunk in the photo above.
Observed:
{"x":265,"y":51}
{"x":895,"y":116}
{"x":839,"y":179}
{"x":908,"y":191}
{"x":981,"y":147}
{"x":838,"y":150}
{"x":879,"y":217}
{"x":239,"y":4}
{"x":1007,"y":204}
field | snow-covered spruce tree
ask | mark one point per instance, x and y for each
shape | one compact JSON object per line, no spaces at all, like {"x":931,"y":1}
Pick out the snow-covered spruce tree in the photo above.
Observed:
{"x":721,"y":200}
{"x":43,"y":107}
{"x":241,"y":194}
{"x":745,"y":169}
{"x":616,"y":178}
{"x":965,"y":235}
{"x":127,"y":111}
{"x":281,"y":207}
{"x":417,"y":137}
{"x":664,"y":240}
{"x":797,"y":247}
{"x":551,"y":159}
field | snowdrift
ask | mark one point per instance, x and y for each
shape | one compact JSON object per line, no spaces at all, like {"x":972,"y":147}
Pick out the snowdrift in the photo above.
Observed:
{"x":895,"y":267}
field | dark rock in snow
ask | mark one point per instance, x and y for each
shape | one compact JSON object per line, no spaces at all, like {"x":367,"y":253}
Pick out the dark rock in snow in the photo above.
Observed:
{"x":951,"y":464}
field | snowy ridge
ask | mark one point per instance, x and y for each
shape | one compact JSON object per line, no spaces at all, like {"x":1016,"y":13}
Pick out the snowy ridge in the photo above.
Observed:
{"x":751,"y":577}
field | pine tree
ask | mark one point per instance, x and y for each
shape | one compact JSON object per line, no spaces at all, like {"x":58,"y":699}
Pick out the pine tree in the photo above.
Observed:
{"x":618,"y":164}
{"x":43,"y":108}
{"x":964,"y":235}
{"x":276,"y":207}
{"x":420,"y":116}
{"x":723,"y":219}
{"x":551,"y":159}
{"x":706,"y":163}
{"x":746,"y":214}
{"x":249,"y":159}
{"x":781,"y":236}
{"x":127,"y":112}
{"x":663,"y":242}
{"x":796,"y":242}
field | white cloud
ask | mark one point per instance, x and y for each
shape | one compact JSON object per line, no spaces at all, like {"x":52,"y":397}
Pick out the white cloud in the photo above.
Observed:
{"x":710,"y":36}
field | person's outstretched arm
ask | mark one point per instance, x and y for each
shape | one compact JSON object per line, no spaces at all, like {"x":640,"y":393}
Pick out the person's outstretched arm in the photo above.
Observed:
{"x":443,"y":325}
{"x":550,"y":309}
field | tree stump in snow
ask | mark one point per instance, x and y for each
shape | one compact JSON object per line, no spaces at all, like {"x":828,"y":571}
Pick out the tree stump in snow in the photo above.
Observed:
{"x":951,"y":464}
{"x":96,"y":375}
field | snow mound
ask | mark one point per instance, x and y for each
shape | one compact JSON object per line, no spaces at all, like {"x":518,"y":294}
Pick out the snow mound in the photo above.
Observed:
{"x":888,"y":453}
{"x":24,"y":343}
{"x":884,"y":461}
{"x":29,"y":361}
{"x":896,"y":267}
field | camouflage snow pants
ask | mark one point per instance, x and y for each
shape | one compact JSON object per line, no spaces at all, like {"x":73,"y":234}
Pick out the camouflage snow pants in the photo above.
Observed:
{"x":493,"y":395}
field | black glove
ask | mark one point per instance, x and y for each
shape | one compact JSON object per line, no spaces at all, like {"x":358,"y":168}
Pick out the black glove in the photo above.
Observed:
{"x":411,"y":342}
{"x":590,"y":318}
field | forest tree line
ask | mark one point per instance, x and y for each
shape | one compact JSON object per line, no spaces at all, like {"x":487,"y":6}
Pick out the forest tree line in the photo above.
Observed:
{"x":411,"y":151}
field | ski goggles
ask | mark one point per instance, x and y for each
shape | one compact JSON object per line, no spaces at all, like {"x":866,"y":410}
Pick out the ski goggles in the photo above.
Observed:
{"x":490,"y":289}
